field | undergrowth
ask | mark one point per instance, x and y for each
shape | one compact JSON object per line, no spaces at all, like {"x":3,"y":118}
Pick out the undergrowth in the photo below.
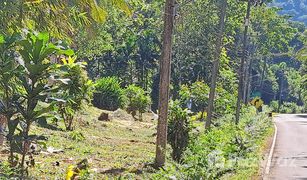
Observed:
{"x":227,"y":151}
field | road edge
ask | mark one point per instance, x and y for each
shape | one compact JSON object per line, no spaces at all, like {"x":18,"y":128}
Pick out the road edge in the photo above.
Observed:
{"x":270,"y":157}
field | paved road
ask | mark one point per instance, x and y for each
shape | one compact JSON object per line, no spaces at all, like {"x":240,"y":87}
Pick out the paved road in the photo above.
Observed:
{"x":290,"y":154}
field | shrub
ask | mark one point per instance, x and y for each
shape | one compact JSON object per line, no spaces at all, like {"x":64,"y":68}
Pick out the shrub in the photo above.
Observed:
{"x":178,"y":129}
{"x":137,"y":100}
{"x":184,"y":96}
{"x":200,"y":95}
{"x":224,"y":102}
{"x":274,"y":105}
{"x":77,"y":92}
{"x":290,"y":107}
{"x":225,"y":149}
{"x":197,"y":94}
{"x":109,"y":95}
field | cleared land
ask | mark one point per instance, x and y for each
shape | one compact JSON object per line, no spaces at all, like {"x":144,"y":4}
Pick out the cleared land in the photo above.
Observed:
{"x":120,"y":147}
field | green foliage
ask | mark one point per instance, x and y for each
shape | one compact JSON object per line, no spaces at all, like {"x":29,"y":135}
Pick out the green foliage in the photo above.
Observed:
{"x":274,"y":106}
{"x":184,"y":95}
{"x":109,"y":95}
{"x":295,"y":83}
{"x":200,"y":95}
{"x":224,"y":102}
{"x":302,"y":56}
{"x":9,"y":85}
{"x":137,"y":100}
{"x":35,"y":70}
{"x":6,"y":171}
{"x":76,"y":136}
{"x":76,"y":93}
{"x":224,"y":149}
{"x":62,"y":20}
{"x":32,"y":84}
{"x":179,"y":128}
{"x":85,"y":174}
{"x":27,"y":86}
{"x":290,"y":107}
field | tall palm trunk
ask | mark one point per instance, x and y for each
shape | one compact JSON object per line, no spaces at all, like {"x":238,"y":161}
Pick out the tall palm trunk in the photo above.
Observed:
{"x":165,"y":69}
{"x":216,"y":63}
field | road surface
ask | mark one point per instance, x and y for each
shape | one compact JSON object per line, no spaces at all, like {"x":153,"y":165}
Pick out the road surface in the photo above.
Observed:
{"x":290,"y":155}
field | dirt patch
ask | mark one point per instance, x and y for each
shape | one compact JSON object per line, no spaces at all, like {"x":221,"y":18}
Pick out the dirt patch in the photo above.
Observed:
{"x":120,"y":114}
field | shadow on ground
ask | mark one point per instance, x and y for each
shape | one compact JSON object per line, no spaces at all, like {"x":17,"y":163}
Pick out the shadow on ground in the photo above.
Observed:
{"x":302,"y":115}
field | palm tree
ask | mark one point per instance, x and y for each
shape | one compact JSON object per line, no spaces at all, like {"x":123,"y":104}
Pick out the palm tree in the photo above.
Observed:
{"x":61,"y":18}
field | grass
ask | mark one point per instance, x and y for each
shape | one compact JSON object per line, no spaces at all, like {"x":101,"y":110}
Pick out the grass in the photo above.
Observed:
{"x":119,"y":147}
{"x":116,"y":149}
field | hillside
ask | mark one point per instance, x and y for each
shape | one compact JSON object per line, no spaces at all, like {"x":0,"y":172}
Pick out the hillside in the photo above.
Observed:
{"x":149,"y":89}
{"x":295,"y":8}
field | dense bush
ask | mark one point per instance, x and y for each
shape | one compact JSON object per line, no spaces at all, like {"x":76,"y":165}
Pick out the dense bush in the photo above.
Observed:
{"x":178,"y":129}
{"x":200,"y":95}
{"x":290,"y":107}
{"x":224,"y":102}
{"x":137,"y":100}
{"x":197,"y":96}
{"x":77,"y":92}
{"x":224,"y":149}
{"x":274,"y":105}
{"x":109,"y":95}
{"x":184,"y":96}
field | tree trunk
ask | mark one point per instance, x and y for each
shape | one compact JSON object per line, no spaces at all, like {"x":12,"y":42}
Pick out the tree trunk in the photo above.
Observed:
{"x":248,"y":81}
{"x":243,"y":60}
{"x":216,"y":63}
{"x":165,"y":69}
{"x":280,"y":93}
{"x":263,"y":73}
{"x":98,"y":67}
{"x":25,"y":147}
{"x":245,"y":76}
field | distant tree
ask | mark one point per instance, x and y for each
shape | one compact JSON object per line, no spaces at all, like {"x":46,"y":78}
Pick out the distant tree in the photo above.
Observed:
{"x":216,"y":63}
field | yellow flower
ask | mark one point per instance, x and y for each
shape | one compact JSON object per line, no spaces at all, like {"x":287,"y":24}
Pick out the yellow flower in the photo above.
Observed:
{"x":70,"y":172}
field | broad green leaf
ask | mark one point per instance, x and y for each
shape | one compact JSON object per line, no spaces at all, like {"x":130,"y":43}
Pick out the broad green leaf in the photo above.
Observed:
{"x":2,"y":39}
{"x":98,"y":13}
{"x":67,"y":52}
{"x":43,"y":36}
{"x":121,"y":4}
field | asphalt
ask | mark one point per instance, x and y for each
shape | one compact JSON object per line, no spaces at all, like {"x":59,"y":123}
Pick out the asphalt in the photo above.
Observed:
{"x":290,"y":154}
